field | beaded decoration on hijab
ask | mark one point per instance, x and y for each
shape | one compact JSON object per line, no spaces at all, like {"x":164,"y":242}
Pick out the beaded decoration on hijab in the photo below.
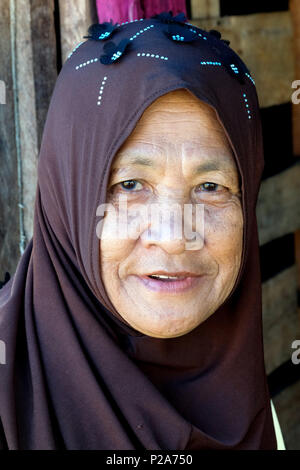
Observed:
{"x":178,"y":30}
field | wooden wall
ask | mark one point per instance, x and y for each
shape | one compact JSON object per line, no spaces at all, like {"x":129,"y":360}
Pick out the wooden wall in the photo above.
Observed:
{"x":36,"y":37}
{"x":29,"y":70}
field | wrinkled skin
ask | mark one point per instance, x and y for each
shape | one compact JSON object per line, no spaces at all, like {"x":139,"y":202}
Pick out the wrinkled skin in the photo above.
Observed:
{"x":177,"y":133}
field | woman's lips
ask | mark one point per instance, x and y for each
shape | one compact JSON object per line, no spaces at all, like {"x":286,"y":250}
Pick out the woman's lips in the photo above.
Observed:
{"x":170,"y":287}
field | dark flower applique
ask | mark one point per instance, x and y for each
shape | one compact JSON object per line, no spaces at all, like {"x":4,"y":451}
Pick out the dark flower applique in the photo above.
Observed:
{"x":234,"y":65}
{"x":167,"y":17}
{"x":215,"y":33}
{"x":101,"y":31}
{"x":229,"y":59}
{"x":218,"y":35}
{"x":234,"y":69}
{"x":6,"y":279}
{"x":180,"y":33}
{"x":113,"y":51}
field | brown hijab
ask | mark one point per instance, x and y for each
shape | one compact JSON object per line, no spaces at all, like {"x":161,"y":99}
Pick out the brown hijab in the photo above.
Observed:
{"x":77,"y":376}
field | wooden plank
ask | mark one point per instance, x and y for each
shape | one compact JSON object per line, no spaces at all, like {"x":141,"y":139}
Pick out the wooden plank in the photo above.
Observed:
{"x":281,"y":325}
{"x":265,"y":42}
{"x":297,"y":256}
{"x":36,"y":76}
{"x":75,"y":18}
{"x":295,"y":11}
{"x":9,"y":214}
{"x":278,"y":208}
{"x":297,"y":253}
{"x":205,"y":8}
{"x":2,"y":92}
{"x":287,"y":405}
{"x":26,"y":116}
{"x":28,"y":57}
{"x":43,"y":40}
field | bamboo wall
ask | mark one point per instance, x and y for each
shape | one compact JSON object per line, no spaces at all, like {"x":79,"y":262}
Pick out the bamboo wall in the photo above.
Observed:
{"x":36,"y":37}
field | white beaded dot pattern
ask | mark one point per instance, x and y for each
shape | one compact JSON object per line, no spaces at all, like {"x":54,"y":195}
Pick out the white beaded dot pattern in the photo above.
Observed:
{"x":247,"y":105}
{"x":199,"y":34}
{"x":116,"y":55}
{"x":88,"y":62}
{"x":234,"y":68}
{"x":210,"y":63}
{"x":141,"y":31}
{"x":104,"y":35}
{"x":75,"y":49}
{"x":133,"y":21}
{"x":176,"y":37}
{"x":155,"y":56}
{"x":249,"y":76}
{"x":101,"y":91}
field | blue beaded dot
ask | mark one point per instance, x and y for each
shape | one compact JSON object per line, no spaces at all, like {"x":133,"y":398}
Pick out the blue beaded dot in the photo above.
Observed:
{"x":247,"y":105}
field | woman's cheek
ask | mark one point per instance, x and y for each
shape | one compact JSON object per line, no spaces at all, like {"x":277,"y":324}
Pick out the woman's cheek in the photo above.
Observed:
{"x":120,"y":231}
{"x":223,"y":230}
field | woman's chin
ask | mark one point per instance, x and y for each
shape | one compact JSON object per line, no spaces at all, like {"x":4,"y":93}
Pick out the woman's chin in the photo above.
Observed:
{"x":159,"y":314}
{"x":163,"y":323}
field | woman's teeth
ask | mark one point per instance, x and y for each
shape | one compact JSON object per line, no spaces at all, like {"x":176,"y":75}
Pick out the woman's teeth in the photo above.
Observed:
{"x":166,"y":278}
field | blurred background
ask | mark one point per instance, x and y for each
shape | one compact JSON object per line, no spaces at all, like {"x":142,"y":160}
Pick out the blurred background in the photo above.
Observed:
{"x":36,"y":38}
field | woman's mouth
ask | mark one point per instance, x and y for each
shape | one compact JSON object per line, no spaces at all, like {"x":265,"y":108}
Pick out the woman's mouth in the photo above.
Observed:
{"x":169,"y":284}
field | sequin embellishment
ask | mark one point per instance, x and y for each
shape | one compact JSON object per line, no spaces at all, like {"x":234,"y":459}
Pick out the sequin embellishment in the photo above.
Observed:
{"x":101,"y":31}
{"x":247,"y":105}
{"x":113,"y":51}
{"x":88,"y":62}
{"x":75,"y":48}
{"x":155,"y":56}
{"x":101,"y":90}
{"x":141,"y":31}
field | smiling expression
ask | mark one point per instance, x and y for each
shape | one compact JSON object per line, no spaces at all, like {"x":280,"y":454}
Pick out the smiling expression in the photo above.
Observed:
{"x":177,"y":154}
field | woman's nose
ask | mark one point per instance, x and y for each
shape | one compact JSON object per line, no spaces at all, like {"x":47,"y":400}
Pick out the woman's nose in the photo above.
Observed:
{"x":174,"y":247}
{"x":165,"y":229}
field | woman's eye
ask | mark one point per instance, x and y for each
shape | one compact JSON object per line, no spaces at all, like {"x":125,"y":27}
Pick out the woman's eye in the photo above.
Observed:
{"x":130,"y":185}
{"x":210,"y":187}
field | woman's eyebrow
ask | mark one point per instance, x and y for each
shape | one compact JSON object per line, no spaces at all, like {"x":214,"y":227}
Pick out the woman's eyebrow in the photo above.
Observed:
{"x":141,"y":161}
{"x":209,"y":166}
{"x":134,"y":161}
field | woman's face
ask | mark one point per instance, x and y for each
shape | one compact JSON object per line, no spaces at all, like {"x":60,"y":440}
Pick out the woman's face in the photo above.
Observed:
{"x":177,"y":155}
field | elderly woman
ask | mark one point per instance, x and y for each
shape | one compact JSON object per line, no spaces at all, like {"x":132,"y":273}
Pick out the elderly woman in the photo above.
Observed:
{"x":133,"y":320}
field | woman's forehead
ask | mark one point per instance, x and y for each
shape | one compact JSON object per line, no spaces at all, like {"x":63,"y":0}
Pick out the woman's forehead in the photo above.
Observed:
{"x":168,"y":129}
{"x":178,"y":117}
{"x":179,"y":101}
{"x":194,"y":159}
